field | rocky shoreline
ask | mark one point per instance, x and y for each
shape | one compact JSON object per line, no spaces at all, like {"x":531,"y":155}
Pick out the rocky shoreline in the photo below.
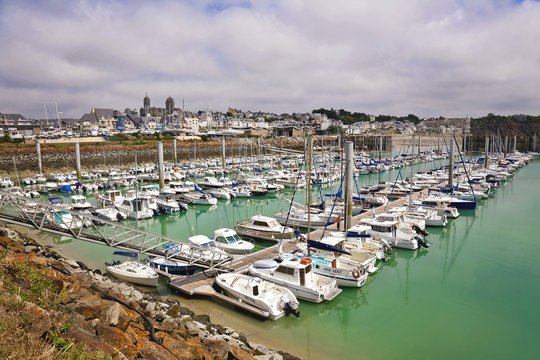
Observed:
{"x":110,"y":319}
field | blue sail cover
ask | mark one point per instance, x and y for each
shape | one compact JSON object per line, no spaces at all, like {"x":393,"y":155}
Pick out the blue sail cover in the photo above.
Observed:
{"x":323,"y":246}
{"x":65,"y":188}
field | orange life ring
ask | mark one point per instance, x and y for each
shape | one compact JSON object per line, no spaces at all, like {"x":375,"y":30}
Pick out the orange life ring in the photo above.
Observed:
{"x":305,"y":261}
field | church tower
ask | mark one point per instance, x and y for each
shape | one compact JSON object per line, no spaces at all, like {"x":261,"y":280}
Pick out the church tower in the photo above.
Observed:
{"x":146,"y":105}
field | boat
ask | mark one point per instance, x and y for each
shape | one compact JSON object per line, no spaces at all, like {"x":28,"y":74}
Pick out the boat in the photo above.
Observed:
{"x":395,"y":232}
{"x":111,"y":197}
{"x":198,"y":197}
{"x":220,"y":193}
{"x":276,"y":301}
{"x":229,"y":241}
{"x":262,"y":227}
{"x":79,"y":202}
{"x":109,"y":214}
{"x":172,"y":266}
{"x":135,"y":208}
{"x":168,"y":205}
{"x":211,"y":182}
{"x":298,"y":276}
{"x":133,"y":271}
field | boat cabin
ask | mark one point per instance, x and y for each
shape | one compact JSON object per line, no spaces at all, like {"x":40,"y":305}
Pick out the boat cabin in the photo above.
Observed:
{"x":203,"y":241}
{"x":261,"y":221}
{"x":226,"y":236}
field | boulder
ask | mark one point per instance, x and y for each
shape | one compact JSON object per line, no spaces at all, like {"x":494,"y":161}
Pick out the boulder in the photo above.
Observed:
{"x":173,"y":311}
{"x":272,"y":356}
{"x":287,"y":356}
{"x":110,"y":315}
{"x":184,"y":349}
{"x":91,"y":341}
{"x":202,"y":318}
{"x":237,"y":353}
{"x":152,"y":351}
{"x":217,"y":347}
{"x":258,"y":349}
{"x":41,"y":320}
{"x":90,"y":307}
{"x":117,"y":339}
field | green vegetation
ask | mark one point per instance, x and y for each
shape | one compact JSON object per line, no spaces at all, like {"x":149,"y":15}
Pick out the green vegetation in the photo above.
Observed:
{"x":348,"y":118}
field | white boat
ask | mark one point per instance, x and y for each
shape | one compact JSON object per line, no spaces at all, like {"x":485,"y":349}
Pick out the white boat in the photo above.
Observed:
{"x":135,"y":208}
{"x":298,"y":276}
{"x":167,"y":205}
{"x":396,"y":233}
{"x":264,"y":228}
{"x":202,"y":241}
{"x":299,"y":218}
{"x":272,"y":299}
{"x":198,"y":198}
{"x":134,"y":272}
{"x":220,"y":193}
{"x":66,"y":220}
{"x":79,"y":202}
{"x":178,"y":187}
{"x":110,"y":214}
{"x":111,"y":197}
{"x":229,"y":241}
{"x":211,"y":182}
{"x":148,"y":191}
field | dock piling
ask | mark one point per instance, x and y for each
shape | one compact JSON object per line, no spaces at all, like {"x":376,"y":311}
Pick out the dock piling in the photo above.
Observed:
{"x":38,"y":152}
{"x":160,"y":165}
{"x":78,"y":157}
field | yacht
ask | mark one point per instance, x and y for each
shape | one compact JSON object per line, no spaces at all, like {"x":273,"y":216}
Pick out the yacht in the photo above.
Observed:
{"x":79,"y":202}
{"x":395,"y":232}
{"x":276,"y":301}
{"x":229,"y":241}
{"x":211,"y":182}
{"x":298,"y":276}
{"x":134,"y":272}
{"x":135,"y":208}
{"x":111,"y":197}
{"x":264,"y":228}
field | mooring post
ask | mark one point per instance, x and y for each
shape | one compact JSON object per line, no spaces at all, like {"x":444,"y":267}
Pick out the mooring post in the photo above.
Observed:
{"x":38,"y":152}
{"x":175,"y":156}
{"x":78,"y":157}
{"x":160,"y":165}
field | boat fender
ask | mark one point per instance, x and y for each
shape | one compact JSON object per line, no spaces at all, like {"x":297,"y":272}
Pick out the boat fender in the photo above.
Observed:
{"x":305,"y":261}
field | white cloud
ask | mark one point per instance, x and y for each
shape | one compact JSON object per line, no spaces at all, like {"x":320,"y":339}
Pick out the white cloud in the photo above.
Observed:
{"x":444,"y":57}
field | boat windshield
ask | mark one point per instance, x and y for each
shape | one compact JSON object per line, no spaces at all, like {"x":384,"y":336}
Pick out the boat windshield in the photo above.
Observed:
{"x":232,"y":239}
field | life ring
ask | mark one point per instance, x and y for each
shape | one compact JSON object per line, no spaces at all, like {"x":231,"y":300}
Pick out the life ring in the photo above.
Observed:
{"x":305,"y":261}
{"x":356,"y":274}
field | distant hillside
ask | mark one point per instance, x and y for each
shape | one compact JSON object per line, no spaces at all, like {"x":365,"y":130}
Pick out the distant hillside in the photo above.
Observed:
{"x":520,"y":125}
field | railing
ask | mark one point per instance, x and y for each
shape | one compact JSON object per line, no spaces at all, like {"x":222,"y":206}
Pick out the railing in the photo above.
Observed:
{"x":20,"y":210}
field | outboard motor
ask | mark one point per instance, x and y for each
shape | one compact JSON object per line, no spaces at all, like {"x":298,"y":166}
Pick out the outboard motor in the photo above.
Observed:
{"x":289,"y":310}
{"x":421,"y":241}
{"x":119,"y":216}
{"x":417,"y":230}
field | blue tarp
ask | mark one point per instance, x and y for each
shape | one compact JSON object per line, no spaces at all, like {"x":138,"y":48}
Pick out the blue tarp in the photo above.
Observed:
{"x":126,"y":253}
{"x":65,"y":188}
{"x":323,"y":246}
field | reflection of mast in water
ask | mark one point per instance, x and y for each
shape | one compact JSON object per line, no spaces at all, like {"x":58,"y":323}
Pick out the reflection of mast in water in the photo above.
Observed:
{"x":415,"y":255}
{"x":455,"y":252}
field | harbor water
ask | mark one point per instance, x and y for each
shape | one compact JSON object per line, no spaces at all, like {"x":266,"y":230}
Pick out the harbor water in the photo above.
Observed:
{"x":472,"y":294}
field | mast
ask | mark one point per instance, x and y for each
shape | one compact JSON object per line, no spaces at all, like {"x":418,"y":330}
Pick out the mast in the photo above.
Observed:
{"x":348,"y":184}
{"x":451,"y":164}
{"x":486,"y":152}
{"x":411,"y":178}
{"x":308,"y":180}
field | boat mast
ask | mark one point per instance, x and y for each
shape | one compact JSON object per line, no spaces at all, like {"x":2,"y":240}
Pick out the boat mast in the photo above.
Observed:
{"x":349,"y":170}
{"x":411,"y":178}
{"x":309,"y":147}
{"x":451,"y":164}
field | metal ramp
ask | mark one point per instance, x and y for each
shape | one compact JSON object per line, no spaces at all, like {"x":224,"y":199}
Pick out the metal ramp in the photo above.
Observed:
{"x":20,"y":210}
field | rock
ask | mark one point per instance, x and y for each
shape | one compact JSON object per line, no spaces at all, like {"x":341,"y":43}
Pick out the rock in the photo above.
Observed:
{"x":258,"y":349}
{"x":41,"y":320}
{"x":136,"y":295}
{"x":184,"y":349}
{"x":186,"y":318}
{"x":287,"y":356}
{"x":117,"y":339}
{"x":173,"y":310}
{"x":273,"y":356}
{"x":90,"y":307}
{"x":111,"y":315}
{"x":193,"y":329}
{"x":152,"y":351}
{"x":30,"y":248}
{"x":150,"y":307}
{"x":159,"y":316}
{"x":98,"y":277}
{"x":202,"y":318}
{"x":217,"y":347}
{"x":72,"y":263}
{"x":91,"y":341}
{"x":239,"y":354}
{"x":186,"y":311}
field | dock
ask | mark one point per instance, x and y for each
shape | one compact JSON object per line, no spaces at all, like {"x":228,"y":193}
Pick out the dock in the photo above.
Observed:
{"x":202,"y":283}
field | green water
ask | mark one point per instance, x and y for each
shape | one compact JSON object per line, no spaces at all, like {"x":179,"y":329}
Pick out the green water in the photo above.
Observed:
{"x":472,"y":294}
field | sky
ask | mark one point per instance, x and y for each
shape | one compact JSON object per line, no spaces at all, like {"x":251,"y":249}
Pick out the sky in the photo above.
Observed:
{"x":429,"y":58}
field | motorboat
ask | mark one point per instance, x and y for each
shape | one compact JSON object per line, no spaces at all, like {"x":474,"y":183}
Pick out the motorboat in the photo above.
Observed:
{"x":172,"y":266}
{"x":220,"y":193}
{"x":148,"y":191}
{"x":229,"y":241}
{"x":167,"y":205}
{"x":274,"y":300}
{"x":211,"y":182}
{"x":413,"y":214}
{"x":395,"y":232}
{"x":111,"y":197}
{"x":298,"y":276}
{"x":134,"y":272}
{"x":109,"y":214}
{"x":300,"y":218}
{"x":264,"y":228}
{"x":198,"y":198}
{"x":178,"y":187}
{"x":136,"y":208}
{"x":79,"y":202}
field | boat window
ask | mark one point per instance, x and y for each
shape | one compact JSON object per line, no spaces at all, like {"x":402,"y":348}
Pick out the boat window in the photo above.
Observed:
{"x":221,"y":239}
{"x":308,"y":269}
{"x":231,"y":239}
{"x":303,"y":276}
{"x":256,"y":290}
{"x":380,"y":228}
{"x":236,"y":237}
{"x":290,"y":271}
{"x":281,"y":269}
{"x":260,"y":223}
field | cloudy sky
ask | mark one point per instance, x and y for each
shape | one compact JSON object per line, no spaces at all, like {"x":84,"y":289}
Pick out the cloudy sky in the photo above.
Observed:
{"x":430,"y":58}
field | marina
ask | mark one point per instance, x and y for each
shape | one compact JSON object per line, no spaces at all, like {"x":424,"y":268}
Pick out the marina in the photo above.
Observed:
{"x":202,"y":284}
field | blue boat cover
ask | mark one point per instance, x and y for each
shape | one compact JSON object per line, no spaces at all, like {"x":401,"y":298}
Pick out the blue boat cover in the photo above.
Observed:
{"x":323,"y":246}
